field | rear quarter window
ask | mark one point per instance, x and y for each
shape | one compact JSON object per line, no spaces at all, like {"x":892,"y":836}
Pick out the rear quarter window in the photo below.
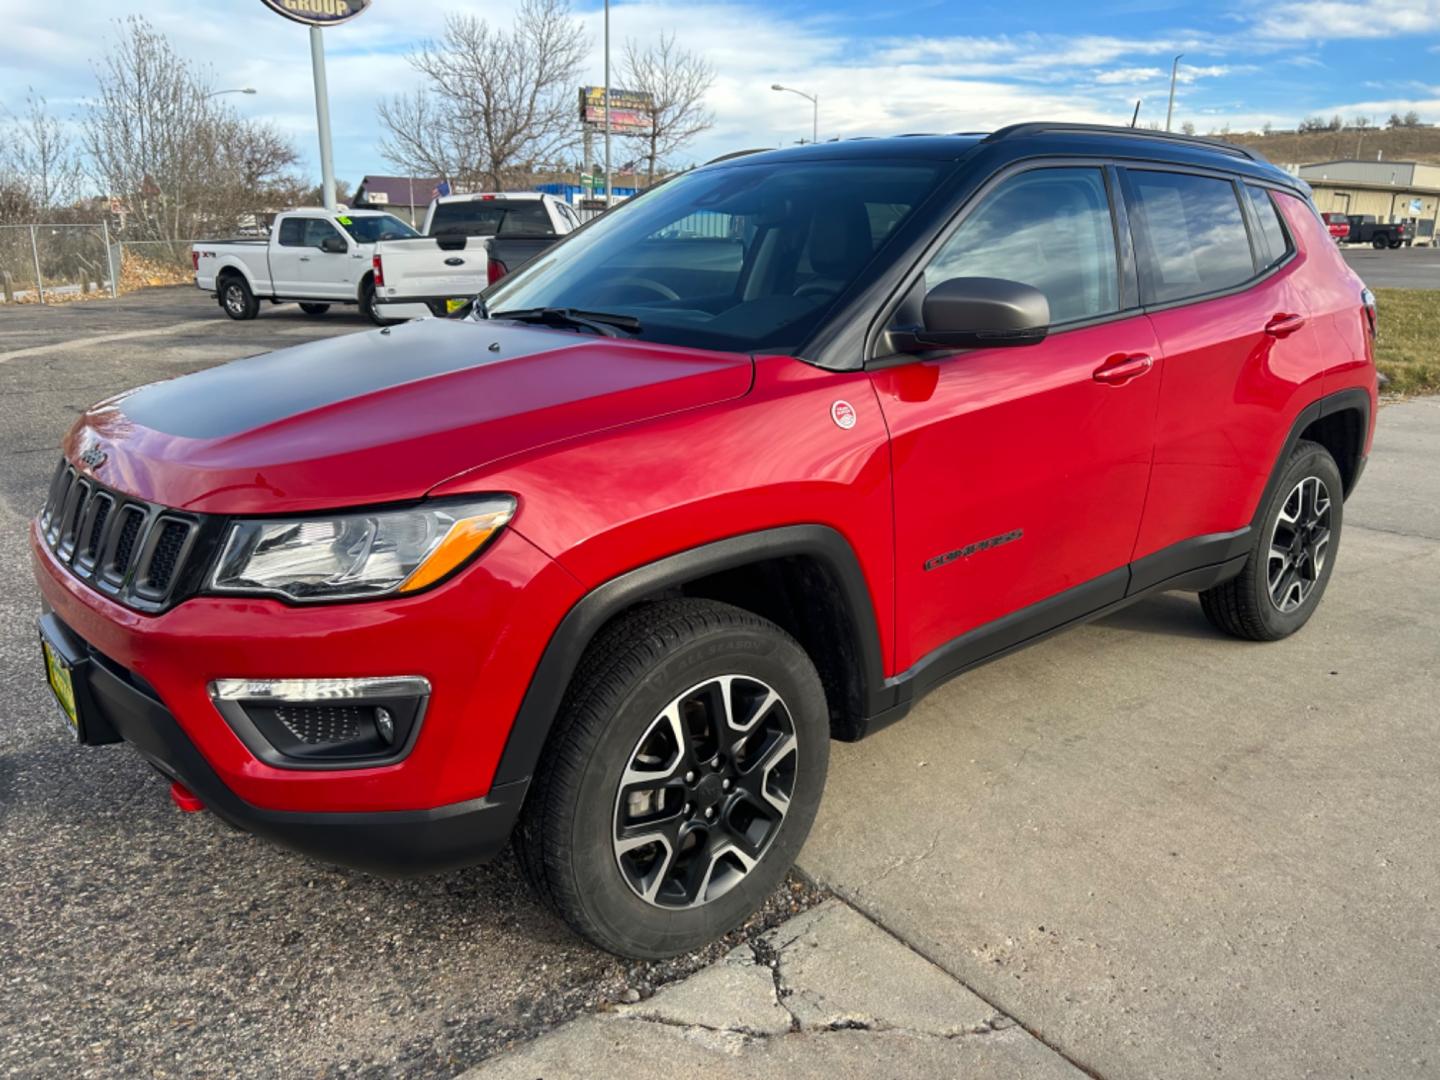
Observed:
{"x":1274,"y":241}
{"x":1194,"y":239}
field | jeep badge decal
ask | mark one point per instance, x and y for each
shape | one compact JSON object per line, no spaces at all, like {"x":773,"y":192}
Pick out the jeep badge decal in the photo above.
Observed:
{"x":843,"y":413}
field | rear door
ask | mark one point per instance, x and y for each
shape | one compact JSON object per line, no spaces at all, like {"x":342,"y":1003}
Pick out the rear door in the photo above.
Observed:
{"x":1020,"y":473}
{"x":286,"y":255}
{"x":1218,"y":272}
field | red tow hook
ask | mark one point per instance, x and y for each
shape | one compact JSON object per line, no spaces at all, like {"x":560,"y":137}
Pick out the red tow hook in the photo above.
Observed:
{"x":184,"y":798}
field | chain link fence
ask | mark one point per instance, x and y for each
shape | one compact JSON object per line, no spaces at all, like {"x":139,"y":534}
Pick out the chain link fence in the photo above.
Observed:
{"x":49,"y":263}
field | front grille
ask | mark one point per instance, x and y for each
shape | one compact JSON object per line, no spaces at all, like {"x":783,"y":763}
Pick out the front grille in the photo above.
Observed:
{"x":147,"y":557}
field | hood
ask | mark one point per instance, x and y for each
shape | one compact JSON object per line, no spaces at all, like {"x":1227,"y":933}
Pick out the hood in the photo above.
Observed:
{"x":384,"y":416}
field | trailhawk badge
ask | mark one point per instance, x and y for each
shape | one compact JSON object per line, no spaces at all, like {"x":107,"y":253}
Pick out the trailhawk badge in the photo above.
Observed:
{"x":843,"y":413}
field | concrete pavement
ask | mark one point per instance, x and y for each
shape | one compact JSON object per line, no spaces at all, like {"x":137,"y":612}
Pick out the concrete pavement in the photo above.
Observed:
{"x":1156,"y":850}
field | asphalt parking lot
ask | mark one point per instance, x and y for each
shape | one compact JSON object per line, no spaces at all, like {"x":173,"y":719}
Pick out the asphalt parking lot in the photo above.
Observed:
{"x":1403,"y":268}
{"x":1153,"y":850}
{"x":136,"y":940}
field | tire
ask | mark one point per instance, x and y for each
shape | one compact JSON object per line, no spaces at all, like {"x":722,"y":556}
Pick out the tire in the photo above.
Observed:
{"x":314,"y":310}
{"x":1380,"y":243}
{"x":236,"y":299}
{"x":1247,"y":606}
{"x":621,"y":716}
{"x":367,"y":305}
{"x":1394,"y":245}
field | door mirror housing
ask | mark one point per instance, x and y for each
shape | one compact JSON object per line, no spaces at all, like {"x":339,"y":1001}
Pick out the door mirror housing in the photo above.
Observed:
{"x":334,"y":245}
{"x":977,"y":313}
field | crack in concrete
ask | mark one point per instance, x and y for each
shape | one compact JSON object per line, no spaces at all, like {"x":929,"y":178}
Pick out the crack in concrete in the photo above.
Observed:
{"x":907,"y":860}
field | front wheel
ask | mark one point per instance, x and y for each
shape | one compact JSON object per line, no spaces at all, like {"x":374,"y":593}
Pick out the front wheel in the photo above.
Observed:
{"x":371,"y":309}
{"x":681,"y":778}
{"x":1292,"y":555}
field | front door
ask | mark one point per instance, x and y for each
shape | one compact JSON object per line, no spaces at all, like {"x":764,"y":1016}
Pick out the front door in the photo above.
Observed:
{"x":1020,"y":473}
{"x":330,"y":275}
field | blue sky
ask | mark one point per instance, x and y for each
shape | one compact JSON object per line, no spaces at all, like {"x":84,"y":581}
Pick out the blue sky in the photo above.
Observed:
{"x":913,"y":65}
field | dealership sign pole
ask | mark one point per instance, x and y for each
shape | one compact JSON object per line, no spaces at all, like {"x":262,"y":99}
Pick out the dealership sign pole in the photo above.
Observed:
{"x":317,"y":14}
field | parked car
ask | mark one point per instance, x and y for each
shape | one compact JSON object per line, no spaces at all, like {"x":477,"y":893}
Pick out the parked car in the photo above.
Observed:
{"x":316,"y":257}
{"x":750,"y":464}
{"x":471,"y":241}
{"x":1365,"y":229}
{"x":1339,"y":225}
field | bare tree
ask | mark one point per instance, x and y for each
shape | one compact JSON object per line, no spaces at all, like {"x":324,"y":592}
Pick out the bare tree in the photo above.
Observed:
{"x":180,"y":161}
{"x":497,"y":103}
{"x":677,"y":82}
{"x":41,"y":159}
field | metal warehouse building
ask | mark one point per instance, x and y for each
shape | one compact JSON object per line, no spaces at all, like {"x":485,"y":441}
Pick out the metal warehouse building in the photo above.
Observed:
{"x":1391,"y":190}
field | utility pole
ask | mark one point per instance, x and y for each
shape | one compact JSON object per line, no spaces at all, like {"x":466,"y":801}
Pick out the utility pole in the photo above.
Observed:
{"x":608,"y":190}
{"x":1174,"y":73}
{"x":322,"y":116}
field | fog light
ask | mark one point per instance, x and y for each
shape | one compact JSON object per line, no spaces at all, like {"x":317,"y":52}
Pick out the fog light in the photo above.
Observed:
{"x":324,"y":723}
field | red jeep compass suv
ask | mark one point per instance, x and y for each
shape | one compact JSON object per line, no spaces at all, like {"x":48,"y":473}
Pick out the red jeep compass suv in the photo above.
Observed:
{"x":750,"y":463}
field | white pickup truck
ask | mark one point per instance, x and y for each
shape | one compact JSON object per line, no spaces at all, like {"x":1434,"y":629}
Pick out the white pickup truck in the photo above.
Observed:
{"x":316,"y":257}
{"x":470,"y":241}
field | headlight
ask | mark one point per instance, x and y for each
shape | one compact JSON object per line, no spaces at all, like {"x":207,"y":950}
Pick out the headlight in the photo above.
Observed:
{"x":351,"y":556}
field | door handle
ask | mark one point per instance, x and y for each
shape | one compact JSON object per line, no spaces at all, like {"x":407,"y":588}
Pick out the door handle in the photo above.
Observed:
{"x":304,"y":258}
{"x":1122,"y":367}
{"x":1282,"y":325}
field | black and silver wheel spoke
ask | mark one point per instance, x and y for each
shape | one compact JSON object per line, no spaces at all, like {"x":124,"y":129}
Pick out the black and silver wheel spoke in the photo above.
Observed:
{"x":705,"y":791}
{"x":1299,"y":543}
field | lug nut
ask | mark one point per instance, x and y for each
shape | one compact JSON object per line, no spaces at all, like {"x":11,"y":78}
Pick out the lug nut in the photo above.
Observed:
{"x":709,"y":812}
{"x":725,"y":785}
{"x":689,"y":778}
{"x":689,"y":809}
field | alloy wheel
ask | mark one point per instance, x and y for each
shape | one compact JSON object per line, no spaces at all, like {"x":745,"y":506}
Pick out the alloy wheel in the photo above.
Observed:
{"x":1299,"y":544}
{"x":234,"y":299}
{"x":705,"y":791}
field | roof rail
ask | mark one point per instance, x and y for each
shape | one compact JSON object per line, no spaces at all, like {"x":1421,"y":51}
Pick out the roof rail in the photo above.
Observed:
{"x":1035,"y":128}
{"x":738,"y":153}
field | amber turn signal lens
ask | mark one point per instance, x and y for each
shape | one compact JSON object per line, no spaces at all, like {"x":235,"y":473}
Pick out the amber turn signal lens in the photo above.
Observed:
{"x":465,"y":538}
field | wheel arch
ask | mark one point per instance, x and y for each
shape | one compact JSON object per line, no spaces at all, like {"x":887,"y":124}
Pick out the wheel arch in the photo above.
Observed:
{"x":805,"y":578}
{"x":366,"y":279}
{"x":1340,"y":422}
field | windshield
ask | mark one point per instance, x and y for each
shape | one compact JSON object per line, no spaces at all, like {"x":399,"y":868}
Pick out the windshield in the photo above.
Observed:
{"x":373,"y":227}
{"x":745,"y":258}
{"x":492,"y":217}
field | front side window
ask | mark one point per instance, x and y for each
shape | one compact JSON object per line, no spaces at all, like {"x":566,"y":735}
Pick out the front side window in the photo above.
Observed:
{"x":317,"y":231}
{"x":1049,"y":228}
{"x":1274,"y":243}
{"x":373,"y":228}
{"x":1192,"y":234}
{"x":741,"y":257}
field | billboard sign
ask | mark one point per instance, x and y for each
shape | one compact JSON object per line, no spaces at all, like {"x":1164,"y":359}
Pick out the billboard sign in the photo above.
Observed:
{"x":318,"y":12}
{"x":630,"y":110}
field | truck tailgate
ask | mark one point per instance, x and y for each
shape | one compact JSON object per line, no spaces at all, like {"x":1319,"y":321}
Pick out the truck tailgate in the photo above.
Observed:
{"x":421,"y":269}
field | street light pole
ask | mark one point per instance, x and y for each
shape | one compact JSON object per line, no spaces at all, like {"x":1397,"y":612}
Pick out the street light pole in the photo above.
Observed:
{"x":242,"y":90}
{"x":322,"y":116}
{"x":608,"y":188}
{"x":814,"y":100}
{"x":1174,"y":71}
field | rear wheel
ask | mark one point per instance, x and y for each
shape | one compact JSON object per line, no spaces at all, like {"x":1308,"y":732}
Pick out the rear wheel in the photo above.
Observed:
{"x":236,"y":299}
{"x":682,"y":777}
{"x":1292,"y":556}
{"x":314,"y":310}
{"x":1380,"y":243}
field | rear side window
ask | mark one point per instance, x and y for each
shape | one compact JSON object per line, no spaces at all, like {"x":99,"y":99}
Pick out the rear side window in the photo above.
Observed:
{"x":1048,"y":228}
{"x":292,"y":232}
{"x":1193,"y":234}
{"x":1274,"y":244}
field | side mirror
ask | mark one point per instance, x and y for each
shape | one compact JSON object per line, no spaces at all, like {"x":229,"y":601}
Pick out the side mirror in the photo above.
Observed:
{"x":978,"y":313}
{"x":334,"y":245}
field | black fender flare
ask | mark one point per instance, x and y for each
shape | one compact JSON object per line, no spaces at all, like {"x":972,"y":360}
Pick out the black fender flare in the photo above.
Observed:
{"x":541,"y":704}
{"x":1353,"y":398}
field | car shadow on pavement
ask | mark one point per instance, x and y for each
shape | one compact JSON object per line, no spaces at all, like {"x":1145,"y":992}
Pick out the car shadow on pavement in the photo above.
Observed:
{"x":1175,"y":614}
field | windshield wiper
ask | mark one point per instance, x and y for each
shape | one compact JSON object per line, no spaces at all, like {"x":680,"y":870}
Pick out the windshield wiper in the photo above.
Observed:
{"x":602,"y":322}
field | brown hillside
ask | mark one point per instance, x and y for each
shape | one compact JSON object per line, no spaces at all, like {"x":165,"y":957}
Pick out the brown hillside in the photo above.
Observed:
{"x":1303,"y":148}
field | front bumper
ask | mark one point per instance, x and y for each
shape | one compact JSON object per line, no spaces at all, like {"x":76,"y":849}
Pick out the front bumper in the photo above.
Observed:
{"x":121,"y":706}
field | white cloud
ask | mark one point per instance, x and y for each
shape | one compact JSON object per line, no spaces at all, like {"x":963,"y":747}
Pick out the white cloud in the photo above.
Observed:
{"x":1324,"y":20}
{"x":1129,"y":76}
